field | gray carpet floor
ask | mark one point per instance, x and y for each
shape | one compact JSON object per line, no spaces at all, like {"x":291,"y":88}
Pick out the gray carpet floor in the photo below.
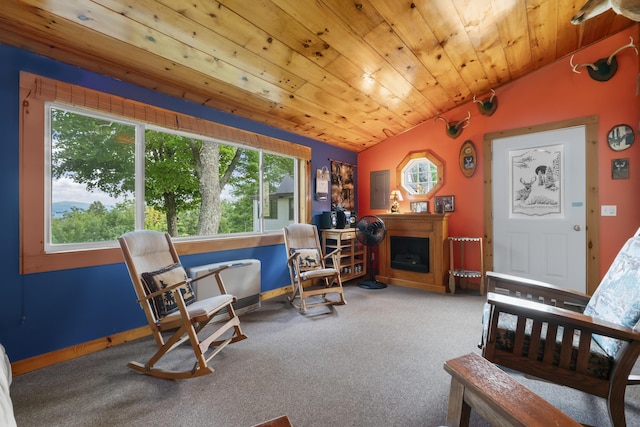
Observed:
{"x":376,"y":361}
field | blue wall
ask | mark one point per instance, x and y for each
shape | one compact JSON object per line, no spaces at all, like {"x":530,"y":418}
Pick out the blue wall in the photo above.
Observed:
{"x":44,"y":312}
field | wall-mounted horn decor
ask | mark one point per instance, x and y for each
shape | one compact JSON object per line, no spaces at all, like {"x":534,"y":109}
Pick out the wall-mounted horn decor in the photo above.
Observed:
{"x":627,"y":8}
{"x":454,"y":130}
{"x":489,"y":105}
{"x":604,"y":68}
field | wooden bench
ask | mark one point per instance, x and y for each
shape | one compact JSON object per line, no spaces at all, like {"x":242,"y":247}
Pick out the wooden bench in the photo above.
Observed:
{"x":497,"y":397}
{"x":282,"y":421}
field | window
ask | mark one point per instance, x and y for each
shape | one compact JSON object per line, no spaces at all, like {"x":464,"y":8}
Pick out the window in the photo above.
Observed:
{"x":111,"y":165}
{"x":420,"y":174}
{"x":291,"y":209}
{"x":188,"y":186}
{"x":90,"y":174}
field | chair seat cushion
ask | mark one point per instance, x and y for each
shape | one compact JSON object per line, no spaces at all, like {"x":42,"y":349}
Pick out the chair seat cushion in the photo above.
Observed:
{"x":600,"y":363}
{"x":322,"y":272}
{"x":205,"y":307}
{"x":165,"y":303}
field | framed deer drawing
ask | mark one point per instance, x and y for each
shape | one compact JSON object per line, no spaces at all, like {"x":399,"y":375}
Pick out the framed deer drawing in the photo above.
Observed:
{"x":536,"y":182}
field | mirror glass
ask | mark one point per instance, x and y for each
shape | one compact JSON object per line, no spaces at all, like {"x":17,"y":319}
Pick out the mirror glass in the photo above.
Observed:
{"x":420,"y":175}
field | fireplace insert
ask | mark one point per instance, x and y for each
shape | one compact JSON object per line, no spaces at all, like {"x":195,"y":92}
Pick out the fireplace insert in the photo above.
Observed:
{"x":410,"y":253}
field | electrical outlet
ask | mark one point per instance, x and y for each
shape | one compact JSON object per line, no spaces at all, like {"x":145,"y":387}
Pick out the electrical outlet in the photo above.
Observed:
{"x":608,"y":210}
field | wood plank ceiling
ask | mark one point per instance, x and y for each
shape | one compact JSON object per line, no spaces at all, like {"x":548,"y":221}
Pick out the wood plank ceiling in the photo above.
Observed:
{"x":347,"y":72}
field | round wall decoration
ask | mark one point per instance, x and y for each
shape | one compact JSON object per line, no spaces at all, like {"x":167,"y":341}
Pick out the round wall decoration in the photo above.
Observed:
{"x":620,"y":137}
{"x":468,"y":159}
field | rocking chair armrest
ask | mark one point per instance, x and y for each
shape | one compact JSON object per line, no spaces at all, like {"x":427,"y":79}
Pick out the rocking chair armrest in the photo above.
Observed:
{"x":534,"y":290}
{"x":333,"y":253}
{"x":217,"y":272}
{"x":559,"y":316}
{"x":296,"y":254}
{"x":170,"y":288}
{"x":293,"y":256}
{"x":211,"y":272}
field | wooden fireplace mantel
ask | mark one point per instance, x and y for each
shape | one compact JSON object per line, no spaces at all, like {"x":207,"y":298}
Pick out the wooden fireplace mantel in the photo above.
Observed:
{"x":435,"y":227}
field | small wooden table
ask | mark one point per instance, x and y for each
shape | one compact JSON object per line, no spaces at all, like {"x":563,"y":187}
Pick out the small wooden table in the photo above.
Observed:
{"x":497,"y":397}
{"x":462,"y":271}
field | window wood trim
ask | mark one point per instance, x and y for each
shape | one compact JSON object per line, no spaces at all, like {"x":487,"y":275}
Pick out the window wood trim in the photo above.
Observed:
{"x":36,"y":90}
{"x":45,"y":89}
{"x":430,"y":156}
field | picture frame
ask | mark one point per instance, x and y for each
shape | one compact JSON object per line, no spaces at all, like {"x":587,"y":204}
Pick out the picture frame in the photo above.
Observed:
{"x":419,"y":207}
{"x":444,"y":204}
{"x":620,"y":169}
{"x":620,"y":137}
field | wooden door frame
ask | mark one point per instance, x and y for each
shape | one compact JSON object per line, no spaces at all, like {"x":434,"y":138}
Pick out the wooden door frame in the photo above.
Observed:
{"x":591,"y":182}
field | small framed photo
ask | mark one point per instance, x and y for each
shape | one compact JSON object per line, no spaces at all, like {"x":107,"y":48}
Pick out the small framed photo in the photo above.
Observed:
{"x":620,"y":169}
{"x":419,"y":207}
{"x":620,"y":137}
{"x":444,"y":204}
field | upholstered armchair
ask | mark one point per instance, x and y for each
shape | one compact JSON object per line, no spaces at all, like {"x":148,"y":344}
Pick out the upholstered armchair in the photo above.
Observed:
{"x":565,"y":337}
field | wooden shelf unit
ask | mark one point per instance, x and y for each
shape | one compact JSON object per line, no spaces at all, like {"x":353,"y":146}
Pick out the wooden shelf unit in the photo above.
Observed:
{"x":353,"y":254}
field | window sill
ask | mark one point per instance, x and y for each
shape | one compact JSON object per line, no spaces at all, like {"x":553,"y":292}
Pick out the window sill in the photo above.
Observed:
{"x":42,"y":262}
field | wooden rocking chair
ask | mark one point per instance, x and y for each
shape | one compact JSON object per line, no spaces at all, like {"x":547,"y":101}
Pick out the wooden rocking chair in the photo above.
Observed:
{"x":308,"y":271}
{"x":165,"y":295}
{"x":568,"y":338}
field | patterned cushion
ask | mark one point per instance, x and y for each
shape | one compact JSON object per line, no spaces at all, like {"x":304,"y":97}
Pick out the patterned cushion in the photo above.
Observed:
{"x":617,"y":299}
{"x":309,"y":259}
{"x":599,"y":364}
{"x":165,"y":303}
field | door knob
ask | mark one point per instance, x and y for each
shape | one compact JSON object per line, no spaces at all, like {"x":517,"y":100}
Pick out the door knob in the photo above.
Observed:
{"x":576,"y":227}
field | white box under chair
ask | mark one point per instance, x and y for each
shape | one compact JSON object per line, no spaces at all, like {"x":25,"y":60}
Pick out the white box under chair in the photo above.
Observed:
{"x":241,"y":280}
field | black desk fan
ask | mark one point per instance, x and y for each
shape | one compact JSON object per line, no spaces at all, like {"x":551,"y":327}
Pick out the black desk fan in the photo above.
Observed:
{"x":370,"y":231}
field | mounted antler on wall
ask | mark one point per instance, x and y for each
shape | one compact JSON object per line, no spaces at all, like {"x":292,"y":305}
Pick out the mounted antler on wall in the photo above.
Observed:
{"x":488,"y":106}
{"x":627,"y":8}
{"x":604,"y":68}
{"x":454,"y":130}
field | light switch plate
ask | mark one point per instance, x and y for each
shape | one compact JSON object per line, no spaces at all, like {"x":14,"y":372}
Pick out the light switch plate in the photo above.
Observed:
{"x":608,"y":210}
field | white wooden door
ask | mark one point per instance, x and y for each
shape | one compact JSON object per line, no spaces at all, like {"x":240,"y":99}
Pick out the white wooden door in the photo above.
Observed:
{"x":539,"y":206}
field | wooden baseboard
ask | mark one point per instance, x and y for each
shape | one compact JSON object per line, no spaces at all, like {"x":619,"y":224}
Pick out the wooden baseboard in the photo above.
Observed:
{"x":48,"y":359}
{"x":37,"y":362}
{"x":275,"y":293}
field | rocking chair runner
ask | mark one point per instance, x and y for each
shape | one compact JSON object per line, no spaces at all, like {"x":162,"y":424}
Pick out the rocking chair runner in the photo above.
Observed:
{"x":165,"y":295}
{"x":308,"y":271}
{"x":568,"y":338}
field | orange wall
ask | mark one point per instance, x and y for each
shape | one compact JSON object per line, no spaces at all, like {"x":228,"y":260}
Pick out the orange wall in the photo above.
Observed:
{"x":551,"y":94}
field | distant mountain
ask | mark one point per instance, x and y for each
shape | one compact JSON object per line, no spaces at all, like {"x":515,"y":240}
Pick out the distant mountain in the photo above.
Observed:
{"x":58,"y":209}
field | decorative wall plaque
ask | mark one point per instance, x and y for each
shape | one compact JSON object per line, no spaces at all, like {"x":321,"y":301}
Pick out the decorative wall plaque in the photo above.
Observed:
{"x":620,"y":137}
{"x":468,"y":159}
